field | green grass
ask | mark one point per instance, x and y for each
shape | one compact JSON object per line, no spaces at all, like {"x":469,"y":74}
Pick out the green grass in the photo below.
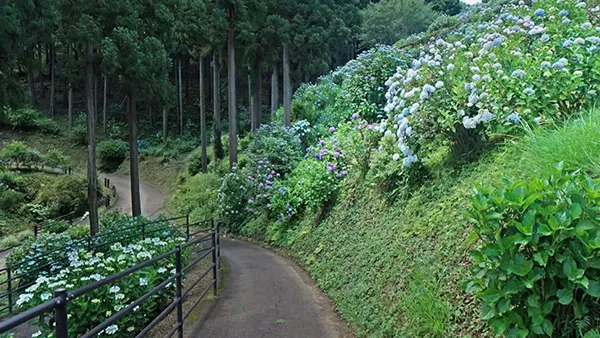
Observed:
{"x":576,"y":144}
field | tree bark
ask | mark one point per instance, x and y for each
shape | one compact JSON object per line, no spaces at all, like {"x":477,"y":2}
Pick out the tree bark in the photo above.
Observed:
{"x":217,"y":144}
{"x":274,"y":92}
{"x":52,"y":79}
{"x":257,"y":90}
{"x":70,"y":94}
{"x":96,"y":95}
{"x":186,"y":72}
{"x":42,"y":91}
{"x":232,"y":96}
{"x":31,"y":86}
{"x":250,"y":100}
{"x":287,"y":86}
{"x":202,"y":115}
{"x":91,"y":128}
{"x":180,"y":96}
{"x":136,"y":208}
{"x":165,"y":126}
{"x":104,"y":104}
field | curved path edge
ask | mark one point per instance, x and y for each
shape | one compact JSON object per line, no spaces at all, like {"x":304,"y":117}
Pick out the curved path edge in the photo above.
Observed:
{"x":267,"y":296}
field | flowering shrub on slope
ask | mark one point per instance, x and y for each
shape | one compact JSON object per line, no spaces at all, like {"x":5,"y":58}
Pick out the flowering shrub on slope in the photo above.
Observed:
{"x":89,"y":310}
{"x":529,"y":64}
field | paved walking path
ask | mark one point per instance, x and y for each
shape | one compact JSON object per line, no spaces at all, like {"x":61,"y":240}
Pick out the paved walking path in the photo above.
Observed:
{"x":268,"y":296}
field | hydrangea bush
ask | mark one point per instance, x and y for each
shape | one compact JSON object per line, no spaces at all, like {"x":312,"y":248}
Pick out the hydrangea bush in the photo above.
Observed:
{"x":89,"y":310}
{"x":533,"y":64}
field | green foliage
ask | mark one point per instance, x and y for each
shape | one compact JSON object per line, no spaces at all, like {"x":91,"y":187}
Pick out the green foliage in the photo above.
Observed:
{"x":193,"y":162}
{"x":536,"y":268}
{"x":575,"y":144}
{"x":112,"y":153}
{"x":56,"y":159}
{"x":95,"y":307}
{"x":233,"y":199}
{"x":64,"y":195}
{"x":424,"y":307}
{"x":275,"y":144}
{"x":56,"y":226}
{"x":78,"y":232}
{"x":197,"y":196}
{"x":388,"y":21}
{"x":14,"y":240}
{"x":19,"y":153}
{"x":28,"y":119}
{"x":447,"y":7}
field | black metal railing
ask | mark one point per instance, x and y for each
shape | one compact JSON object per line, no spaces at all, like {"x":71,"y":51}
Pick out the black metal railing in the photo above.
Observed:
{"x":18,"y":278}
{"x":62,"y":298}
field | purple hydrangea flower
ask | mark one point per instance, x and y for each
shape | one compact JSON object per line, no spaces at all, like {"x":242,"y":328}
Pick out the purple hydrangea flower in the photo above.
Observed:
{"x":331,"y":129}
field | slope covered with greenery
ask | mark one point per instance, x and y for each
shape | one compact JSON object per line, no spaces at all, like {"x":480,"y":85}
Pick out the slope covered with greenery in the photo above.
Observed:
{"x":383,"y":159}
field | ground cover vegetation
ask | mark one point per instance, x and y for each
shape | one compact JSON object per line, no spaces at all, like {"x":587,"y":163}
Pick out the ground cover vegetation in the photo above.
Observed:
{"x":391,"y":195}
{"x":77,"y":266}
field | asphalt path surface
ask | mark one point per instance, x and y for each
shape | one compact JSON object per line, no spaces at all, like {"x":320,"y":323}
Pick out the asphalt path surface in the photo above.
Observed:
{"x":268,"y":296}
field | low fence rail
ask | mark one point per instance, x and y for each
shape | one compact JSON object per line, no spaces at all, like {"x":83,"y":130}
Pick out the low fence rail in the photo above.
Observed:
{"x":62,"y":297}
{"x":12,"y":275}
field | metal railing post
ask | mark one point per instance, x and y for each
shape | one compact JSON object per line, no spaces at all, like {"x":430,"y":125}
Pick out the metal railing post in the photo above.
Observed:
{"x":214,"y":259}
{"x":143,"y":230}
{"x":35,"y":230}
{"x":178,"y":271}
{"x":187,"y":227}
{"x":218,"y":244}
{"x":60,"y":314}
{"x":9,"y":289}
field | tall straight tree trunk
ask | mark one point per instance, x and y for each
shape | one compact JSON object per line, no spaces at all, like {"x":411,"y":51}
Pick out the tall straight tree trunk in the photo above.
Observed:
{"x":202,"y":115}
{"x":136,"y":208}
{"x":257,"y":90}
{"x":180,"y":96}
{"x":96,"y":95}
{"x":91,"y":128}
{"x":40,"y":55}
{"x":104,"y":103}
{"x":250,"y":100}
{"x":187,"y":77}
{"x":165,"y":126}
{"x":52,"y":79}
{"x":70,"y":94}
{"x":274,"y":92}
{"x":287,"y":86}
{"x":232,"y":96}
{"x":217,"y":144}
{"x":31,"y":86}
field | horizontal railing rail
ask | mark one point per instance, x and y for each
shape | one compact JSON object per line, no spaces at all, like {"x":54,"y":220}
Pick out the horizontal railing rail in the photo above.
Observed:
{"x":62,"y":297}
{"x":14,"y":273}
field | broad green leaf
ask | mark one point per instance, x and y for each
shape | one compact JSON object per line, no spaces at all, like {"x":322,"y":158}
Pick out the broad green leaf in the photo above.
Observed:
{"x":526,"y":230}
{"x":548,"y":327}
{"x":488,"y":311}
{"x":593,"y":289}
{"x":541,"y":258}
{"x":529,"y":219}
{"x":544,"y":230}
{"x":519,"y":265}
{"x":548,"y":306}
{"x":565,"y":296}
{"x":586,"y":225}
{"x":498,"y":325}
{"x":513,"y":286}
{"x":570,"y":269}
{"x":575,"y":210}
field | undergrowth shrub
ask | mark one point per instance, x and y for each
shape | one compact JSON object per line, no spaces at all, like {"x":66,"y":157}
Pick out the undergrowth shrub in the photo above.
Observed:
{"x":197,"y":196}
{"x":112,"y":153}
{"x":537,"y":265}
{"x":63,"y":195}
{"x":28,"y":119}
{"x":278,"y":145}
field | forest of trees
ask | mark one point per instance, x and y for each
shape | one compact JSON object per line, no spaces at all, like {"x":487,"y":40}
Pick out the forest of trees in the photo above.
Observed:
{"x":154,"y":50}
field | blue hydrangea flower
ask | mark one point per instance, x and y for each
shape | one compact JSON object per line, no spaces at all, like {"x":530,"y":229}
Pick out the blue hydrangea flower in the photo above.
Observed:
{"x":528,"y":91}
{"x":514,"y":118}
{"x":518,"y":73}
{"x":539,"y":12}
{"x":563,"y":13}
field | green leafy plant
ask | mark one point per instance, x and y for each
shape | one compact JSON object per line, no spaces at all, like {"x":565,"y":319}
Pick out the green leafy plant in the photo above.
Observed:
{"x":278,"y":145}
{"x":537,"y":268}
{"x":56,"y":159}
